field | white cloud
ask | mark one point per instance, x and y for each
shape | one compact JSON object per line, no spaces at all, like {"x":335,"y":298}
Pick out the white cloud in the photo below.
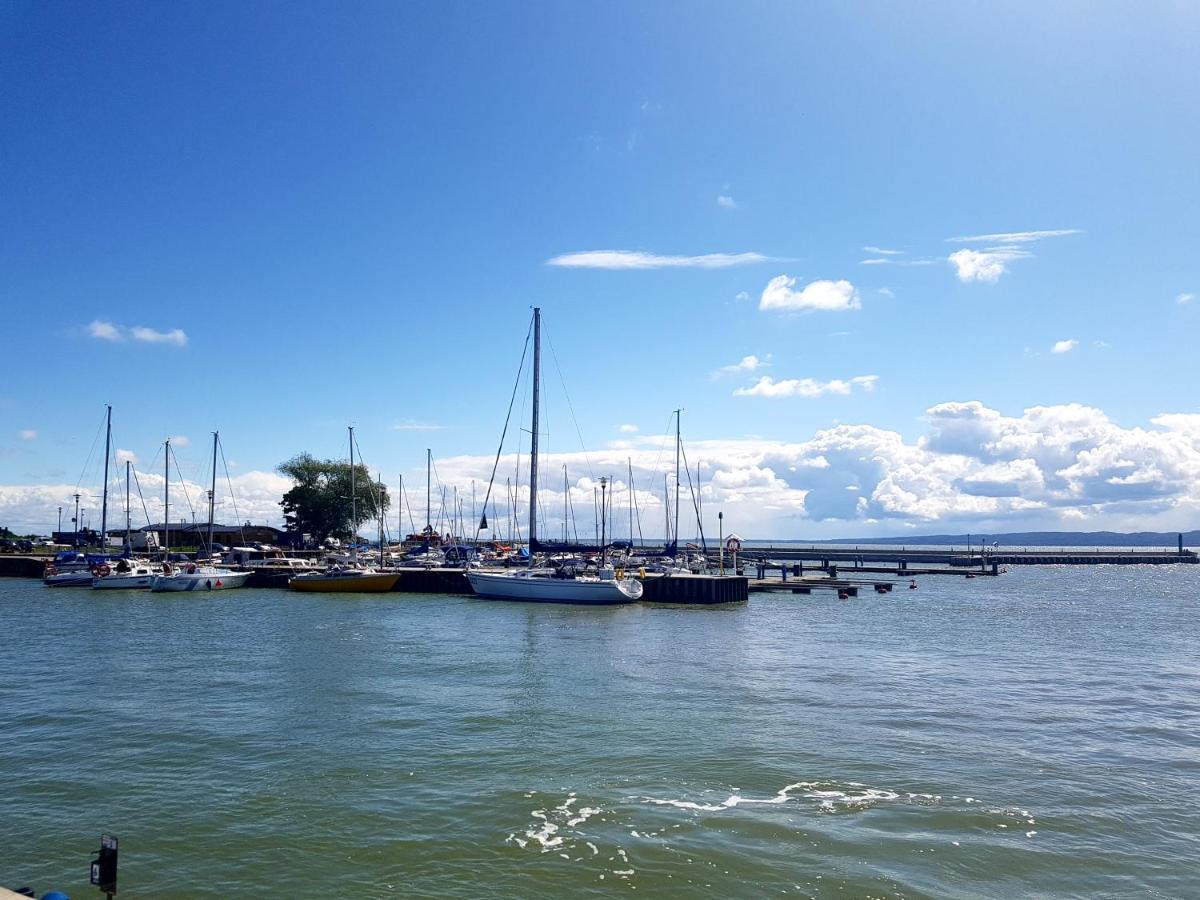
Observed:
{"x":175,"y":336}
{"x":417,"y":426}
{"x":886,"y":292}
{"x":181,"y":440}
{"x":879,"y":251}
{"x":105,"y":331}
{"x":627,"y":429}
{"x":637,"y":259}
{"x":124,"y":456}
{"x":1183,"y":299}
{"x":1013,"y":237}
{"x":984,"y":265}
{"x":989,"y":263}
{"x":741,"y":296}
{"x":726,"y":202}
{"x":975,"y":469}
{"x":27,"y":434}
{"x":892,"y":261}
{"x":767,"y":386}
{"x":780,"y":293}
{"x":1064,"y":346}
{"x":746,"y":364}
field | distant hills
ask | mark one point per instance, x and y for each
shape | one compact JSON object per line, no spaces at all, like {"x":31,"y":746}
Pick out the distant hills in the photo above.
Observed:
{"x":1032,"y":539}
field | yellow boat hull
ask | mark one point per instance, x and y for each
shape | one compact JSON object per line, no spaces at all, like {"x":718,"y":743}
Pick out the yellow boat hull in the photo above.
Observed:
{"x":345,"y":584}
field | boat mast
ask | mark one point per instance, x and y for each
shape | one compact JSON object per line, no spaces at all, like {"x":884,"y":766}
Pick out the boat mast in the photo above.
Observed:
{"x":677,"y":446}
{"x":566,"y":493}
{"x":353,"y":505}
{"x":167,"y":500}
{"x":128,"y":537}
{"x":533,"y":438}
{"x":667,"y":506}
{"x":212,"y":493}
{"x":104,"y":501}
{"x":428,"y":500}
{"x":630,"y":461}
{"x":379,"y":478}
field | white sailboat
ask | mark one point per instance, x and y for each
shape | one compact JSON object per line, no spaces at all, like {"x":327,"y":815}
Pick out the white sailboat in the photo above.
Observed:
{"x":545,"y":585}
{"x":191,"y":576}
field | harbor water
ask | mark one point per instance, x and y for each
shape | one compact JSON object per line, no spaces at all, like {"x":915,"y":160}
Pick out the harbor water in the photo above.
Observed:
{"x":1036,"y":734}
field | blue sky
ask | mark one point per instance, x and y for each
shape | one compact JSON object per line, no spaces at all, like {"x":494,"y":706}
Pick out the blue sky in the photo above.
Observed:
{"x":322,"y":216}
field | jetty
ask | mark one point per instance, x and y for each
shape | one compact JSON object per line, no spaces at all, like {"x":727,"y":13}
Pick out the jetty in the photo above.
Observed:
{"x":902,"y":559}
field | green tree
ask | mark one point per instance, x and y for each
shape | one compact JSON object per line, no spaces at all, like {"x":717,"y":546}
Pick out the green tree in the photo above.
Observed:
{"x":319,"y":504}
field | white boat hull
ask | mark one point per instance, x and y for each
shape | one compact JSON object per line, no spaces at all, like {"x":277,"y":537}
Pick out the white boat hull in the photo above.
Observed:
{"x":122,"y":582}
{"x":542,"y":589}
{"x":220,"y":580}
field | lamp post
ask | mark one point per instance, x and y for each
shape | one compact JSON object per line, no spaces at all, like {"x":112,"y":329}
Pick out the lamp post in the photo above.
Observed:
{"x":60,"y":519}
{"x":721,"y":538}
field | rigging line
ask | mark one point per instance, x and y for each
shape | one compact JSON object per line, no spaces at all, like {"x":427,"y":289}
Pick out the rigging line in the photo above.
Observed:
{"x":637,"y":513}
{"x":232,"y":498}
{"x":404,"y":500}
{"x":91,"y":453}
{"x":136,"y":482}
{"x":661,"y":449}
{"x":504,"y":433}
{"x":695,"y":503}
{"x":183,"y":487}
{"x":376,"y":494}
{"x":570,"y":406}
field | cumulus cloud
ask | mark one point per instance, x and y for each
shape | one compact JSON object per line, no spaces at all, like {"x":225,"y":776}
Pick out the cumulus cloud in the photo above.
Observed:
{"x":181,"y":440}
{"x":1064,"y":346}
{"x":988,"y":263}
{"x":726,"y":202}
{"x":637,"y":259}
{"x":780,"y":293}
{"x":27,"y":434}
{"x":104,"y":331}
{"x":627,"y":429}
{"x":974,"y":468}
{"x":124,"y":456}
{"x":175,"y":336}
{"x":806,"y":387}
{"x":984,"y":265}
{"x":1183,"y":299}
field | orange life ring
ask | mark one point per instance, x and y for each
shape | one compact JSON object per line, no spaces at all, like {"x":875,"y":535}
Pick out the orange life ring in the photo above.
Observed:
{"x":95,"y":570}
{"x":102,"y":569}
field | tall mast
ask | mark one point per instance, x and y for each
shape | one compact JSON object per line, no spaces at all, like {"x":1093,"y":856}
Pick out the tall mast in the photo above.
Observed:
{"x":400,"y":508}
{"x":630,"y":461}
{"x":353,"y":504}
{"x":677,"y":446}
{"x":667,"y":506}
{"x":428,"y":495}
{"x":566,"y":492}
{"x":533,"y":438}
{"x":128,"y":536}
{"x":104,"y":501}
{"x":167,"y":499}
{"x":379,"y":518}
{"x":212,"y":493}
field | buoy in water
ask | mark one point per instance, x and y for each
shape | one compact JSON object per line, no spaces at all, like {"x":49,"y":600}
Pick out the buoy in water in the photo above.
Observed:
{"x":912,"y":585}
{"x":843,"y":595}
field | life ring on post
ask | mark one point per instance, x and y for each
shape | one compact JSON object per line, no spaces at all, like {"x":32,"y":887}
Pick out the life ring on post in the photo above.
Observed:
{"x":733,"y":544}
{"x":102,"y":570}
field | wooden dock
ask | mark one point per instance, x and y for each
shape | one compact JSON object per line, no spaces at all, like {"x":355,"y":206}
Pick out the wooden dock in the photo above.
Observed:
{"x":903,"y":558}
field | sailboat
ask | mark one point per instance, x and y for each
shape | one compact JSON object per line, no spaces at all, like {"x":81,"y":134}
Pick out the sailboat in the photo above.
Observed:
{"x":127,"y":573}
{"x":75,"y":569}
{"x":192,"y":576}
{"x":354,"y":578}
{"x":548,"y":585}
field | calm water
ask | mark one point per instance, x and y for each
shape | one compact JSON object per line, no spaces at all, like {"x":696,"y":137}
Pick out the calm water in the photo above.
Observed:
{"x":1032,"y":735}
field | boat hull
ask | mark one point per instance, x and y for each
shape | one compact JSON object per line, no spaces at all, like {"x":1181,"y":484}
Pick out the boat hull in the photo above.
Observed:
{"x":82,"y":578}
{"x":376,"y":583}
{"x":122,"y":582}
{"x":199,"y":581}
{"x":597,"y":592}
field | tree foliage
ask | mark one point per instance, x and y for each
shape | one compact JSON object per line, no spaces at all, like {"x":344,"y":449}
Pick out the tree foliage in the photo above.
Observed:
{"x":320,"y":505}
